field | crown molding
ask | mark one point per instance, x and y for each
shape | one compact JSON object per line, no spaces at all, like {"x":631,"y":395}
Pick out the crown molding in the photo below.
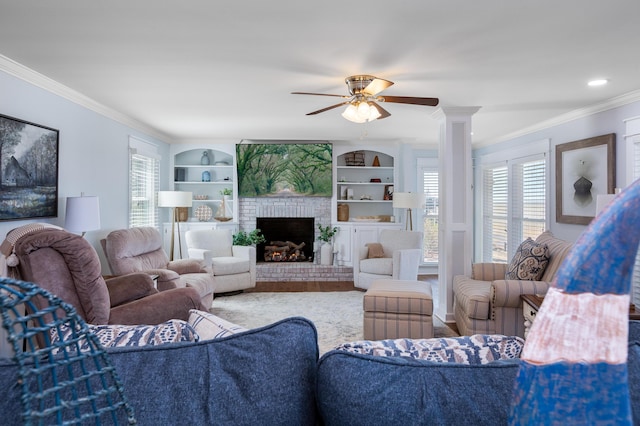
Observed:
{"x":612,"y":103}
{"x":22,"y":72}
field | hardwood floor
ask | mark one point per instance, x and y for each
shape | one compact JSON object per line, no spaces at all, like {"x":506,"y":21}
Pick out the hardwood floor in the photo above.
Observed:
{"x":295,"y":286}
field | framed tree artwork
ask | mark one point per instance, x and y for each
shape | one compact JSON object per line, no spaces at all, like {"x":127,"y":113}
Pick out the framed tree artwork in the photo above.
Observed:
{"x":584,"y":169}
{"x":28,"y":170}
{"x":284,"y":169}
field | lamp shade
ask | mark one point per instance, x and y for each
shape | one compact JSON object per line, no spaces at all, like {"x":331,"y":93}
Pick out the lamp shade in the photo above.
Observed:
{"x":408,"y":200}
{"x":175,"y":199}
{"x":82,"y":214}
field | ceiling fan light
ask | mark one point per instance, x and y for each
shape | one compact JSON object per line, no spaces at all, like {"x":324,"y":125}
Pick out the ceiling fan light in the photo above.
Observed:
{"x":351,"y":114}
{"x":373,"y":112}
{"x":363,"y":110}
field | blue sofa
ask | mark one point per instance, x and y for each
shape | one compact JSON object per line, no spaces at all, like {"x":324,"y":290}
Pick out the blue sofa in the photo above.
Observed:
{"x":272,"y":375}
{"x":261,"y":376}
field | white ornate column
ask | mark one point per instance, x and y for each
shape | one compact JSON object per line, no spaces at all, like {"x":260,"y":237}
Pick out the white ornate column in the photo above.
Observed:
{"x":455,"y":219}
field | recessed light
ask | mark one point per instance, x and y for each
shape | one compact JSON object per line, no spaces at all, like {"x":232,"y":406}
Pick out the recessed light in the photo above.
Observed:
{"x":600,"y":82}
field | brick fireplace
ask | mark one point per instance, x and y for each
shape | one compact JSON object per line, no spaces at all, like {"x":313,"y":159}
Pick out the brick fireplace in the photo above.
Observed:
{"x":316,"y":208}
{"x":298,"y":231}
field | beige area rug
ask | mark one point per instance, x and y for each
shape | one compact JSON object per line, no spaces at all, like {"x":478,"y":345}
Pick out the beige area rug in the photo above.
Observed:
{"x":336,"y":315}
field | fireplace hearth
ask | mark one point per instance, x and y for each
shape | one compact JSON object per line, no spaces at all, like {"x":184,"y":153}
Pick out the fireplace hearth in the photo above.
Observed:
{"x":288,"y":239}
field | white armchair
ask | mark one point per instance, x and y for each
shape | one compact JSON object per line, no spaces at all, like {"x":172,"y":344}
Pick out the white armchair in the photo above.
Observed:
{"x":400,"y":253}
{"x":233,"y":267}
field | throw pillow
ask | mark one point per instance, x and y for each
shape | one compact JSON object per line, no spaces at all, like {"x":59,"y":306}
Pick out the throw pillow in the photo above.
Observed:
{"x":375,"y":250}
{"x":529,"y":262}
{"x":209,"y":326}
{"x":111,"y":336}
{"x":472,"y":350}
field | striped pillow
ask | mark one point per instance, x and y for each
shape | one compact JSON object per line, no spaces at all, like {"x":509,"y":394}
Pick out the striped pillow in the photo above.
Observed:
{"x":209,"y":326}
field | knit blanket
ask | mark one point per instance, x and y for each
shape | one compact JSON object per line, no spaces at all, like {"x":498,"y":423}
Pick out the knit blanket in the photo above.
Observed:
{"x":7,"y":258}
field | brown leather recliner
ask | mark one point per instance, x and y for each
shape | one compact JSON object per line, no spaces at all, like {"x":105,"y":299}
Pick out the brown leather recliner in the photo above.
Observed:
{"x":68,"y":266}
{"x":140,"y":250}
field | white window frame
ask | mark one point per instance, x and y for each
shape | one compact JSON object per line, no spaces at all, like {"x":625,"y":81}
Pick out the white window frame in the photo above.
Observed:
{"x":510,"y":158}
{"x":149,"y":151}
{"x":427,"y":165}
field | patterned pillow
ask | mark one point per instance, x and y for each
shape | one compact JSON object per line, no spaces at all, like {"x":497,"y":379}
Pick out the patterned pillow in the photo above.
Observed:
{"x":476,"y":349}
{"x":529,"y":262}
{"x":111,"y":336}
{"x":209,"y":326}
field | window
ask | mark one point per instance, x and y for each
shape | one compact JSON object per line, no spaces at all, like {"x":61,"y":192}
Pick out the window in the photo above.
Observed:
{"x":144,"y":183}
{"x":494,"y":214}
{"x":514,"y":206}
{"x":430,"y":215}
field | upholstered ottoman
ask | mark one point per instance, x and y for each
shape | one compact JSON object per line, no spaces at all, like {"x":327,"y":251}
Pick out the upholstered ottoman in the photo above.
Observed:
{"x":395,"y":309}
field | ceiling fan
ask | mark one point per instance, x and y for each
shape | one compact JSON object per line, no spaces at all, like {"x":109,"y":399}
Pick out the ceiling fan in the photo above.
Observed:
{"x":362,"y":101}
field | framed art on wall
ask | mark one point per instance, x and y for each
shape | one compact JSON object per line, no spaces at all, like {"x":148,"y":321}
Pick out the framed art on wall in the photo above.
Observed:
{"x":28,"y":170}
{"x":284,"y":169}
{"x":584,"y":169}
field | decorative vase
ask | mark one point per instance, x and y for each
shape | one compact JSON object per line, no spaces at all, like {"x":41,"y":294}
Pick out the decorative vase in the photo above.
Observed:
{"x":205,"y":161}
{"x":326,"y":254}
{"x":227,"y":206}
{"x":206,"y":176}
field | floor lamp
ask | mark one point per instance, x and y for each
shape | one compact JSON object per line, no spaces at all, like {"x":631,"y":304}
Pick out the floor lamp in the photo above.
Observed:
{"x":174,"y":199}
{"x":82,"y":214}
{"x":408,"y":200}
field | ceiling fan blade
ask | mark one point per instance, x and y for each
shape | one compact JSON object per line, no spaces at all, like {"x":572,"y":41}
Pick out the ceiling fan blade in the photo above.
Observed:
{"x":328,"y":108}
{"x":383,"y":112}
{"x":410,"y":100}
{"x":319,"y":94}
{"x":377,"y":86}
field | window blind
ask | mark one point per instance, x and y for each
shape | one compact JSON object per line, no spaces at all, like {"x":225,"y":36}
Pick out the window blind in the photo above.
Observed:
{"x":430,"y":183}
{"x":494,"y":214}
{"x":528,"y":206}
{"x":144,"y":182}
{"x":514,"y":205}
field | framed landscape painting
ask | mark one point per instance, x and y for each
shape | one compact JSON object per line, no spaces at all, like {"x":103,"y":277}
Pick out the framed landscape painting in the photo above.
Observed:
{"x":28,"y":170}
{"x":584,"y":169}
{"x":284,"y":170}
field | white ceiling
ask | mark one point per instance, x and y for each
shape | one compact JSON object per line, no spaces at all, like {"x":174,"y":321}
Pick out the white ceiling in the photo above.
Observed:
{"x":203,"y":69}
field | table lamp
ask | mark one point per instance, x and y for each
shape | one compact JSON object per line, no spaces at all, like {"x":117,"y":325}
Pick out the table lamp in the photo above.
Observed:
{"x":82,"y":214}
{"x":174,"y":199}
{"x":408,"y":200}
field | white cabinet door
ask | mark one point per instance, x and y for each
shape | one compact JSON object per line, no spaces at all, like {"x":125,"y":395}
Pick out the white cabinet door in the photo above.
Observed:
{"x":364,"y":234}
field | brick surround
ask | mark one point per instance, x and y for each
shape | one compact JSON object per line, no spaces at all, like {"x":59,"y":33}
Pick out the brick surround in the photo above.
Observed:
{"x":301,"y":271}
{"x":317,"y":207}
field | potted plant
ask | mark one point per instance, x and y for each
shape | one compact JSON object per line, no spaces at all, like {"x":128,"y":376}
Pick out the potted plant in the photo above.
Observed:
{"x":326,"y":250}
{"x":251,"y":239}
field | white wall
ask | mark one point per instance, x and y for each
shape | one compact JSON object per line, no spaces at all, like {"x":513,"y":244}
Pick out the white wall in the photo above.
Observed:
{"x":93,"y":153}
{"x":596,"y":124}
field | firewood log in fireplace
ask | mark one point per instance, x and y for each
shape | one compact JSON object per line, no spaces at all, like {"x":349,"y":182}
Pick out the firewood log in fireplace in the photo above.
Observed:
{"x":283,"y":250}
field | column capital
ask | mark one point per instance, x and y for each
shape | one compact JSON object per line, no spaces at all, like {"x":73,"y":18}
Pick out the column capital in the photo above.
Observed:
{"x":444,"y":112}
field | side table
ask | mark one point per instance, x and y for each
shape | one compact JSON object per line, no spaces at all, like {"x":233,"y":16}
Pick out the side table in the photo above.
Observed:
{"x":531,"y":304}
